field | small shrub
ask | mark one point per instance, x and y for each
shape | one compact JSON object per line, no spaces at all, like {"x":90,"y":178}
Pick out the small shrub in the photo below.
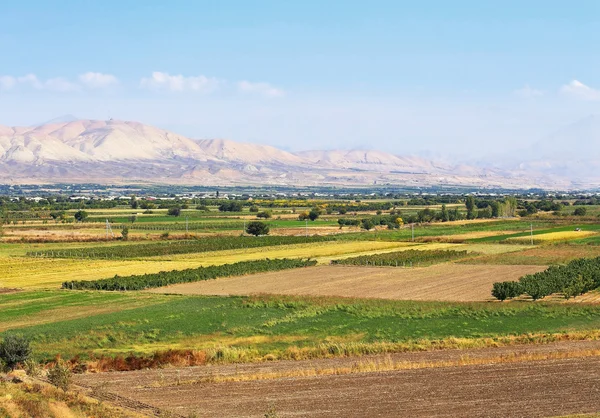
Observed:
{"x":125,"y":233}
{"x":60,"y":375}
{"x":271,"y":412}
{"x":14,"y":349}
{"x":32,"y":368}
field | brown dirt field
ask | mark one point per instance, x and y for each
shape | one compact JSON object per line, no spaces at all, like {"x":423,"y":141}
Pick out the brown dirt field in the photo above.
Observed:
{"x":443,"y":282}
{"x":499,"y":389}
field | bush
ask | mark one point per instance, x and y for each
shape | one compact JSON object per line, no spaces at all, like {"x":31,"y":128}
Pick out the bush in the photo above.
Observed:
{"x":581,"y":211}
{"x":174,"y":211}
{"x":314,"y":214}
{"x":264,"y":215}
{"x":80,"y":215}
{"x":257,"y":228}
{"x":506,"y":290}
{"x":14,"y":349}
{"x":253,"y":209}
{"x":60,"y":375}
{"x":125,"y":233}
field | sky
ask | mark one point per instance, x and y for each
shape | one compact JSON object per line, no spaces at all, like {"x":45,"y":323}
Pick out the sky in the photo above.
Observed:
{"x":450,"y":79}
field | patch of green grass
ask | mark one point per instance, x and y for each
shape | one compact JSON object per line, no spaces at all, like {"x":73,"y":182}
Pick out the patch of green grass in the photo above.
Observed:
{"x":270,"y":324}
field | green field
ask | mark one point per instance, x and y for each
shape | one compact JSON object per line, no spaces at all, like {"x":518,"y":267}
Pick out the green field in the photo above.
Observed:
{"x":117,"y":323}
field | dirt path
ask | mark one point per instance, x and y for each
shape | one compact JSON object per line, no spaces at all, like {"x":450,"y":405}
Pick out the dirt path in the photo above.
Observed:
{"x":508,"y":389}
{"x":443,"y":282}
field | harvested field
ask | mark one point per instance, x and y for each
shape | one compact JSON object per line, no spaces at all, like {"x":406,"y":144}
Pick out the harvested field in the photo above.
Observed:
{"x":543,"y":380}
{"x":543,"y":255}
{"x":443,"y":282}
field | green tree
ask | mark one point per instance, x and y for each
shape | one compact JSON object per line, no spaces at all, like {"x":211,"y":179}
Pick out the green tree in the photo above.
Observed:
{"x":125,"y":233}
{"x":264,"y":214}
{"x":257,"y":228}
{"x":80,"y":215}
{"x":174,"y":211}
{"x":367,"y":224}
{"x":445,"y":216}
{"x":314,"y":214}
{"x":581,"y":211}
{"x":470,"y":203}
{"x":495,"y":209}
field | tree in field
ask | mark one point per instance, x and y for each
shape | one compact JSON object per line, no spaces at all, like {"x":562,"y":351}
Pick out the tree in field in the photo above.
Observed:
{"x":506,"y":290}
{"x":495,"y":209}
{"x":14,"y":349}
{"x":445,"y":216}
{"x":257,"y":228}
{"x":133,"y":202}
{"x":80,"y":215}
{"x":314,"y":214}
{"x":303,"y":216}
{"x":174,"y":211}
{"x":580,"y":211}
{"x":510,"y":206}
{"x":125,"y":233}
{"x":470,"y":203}
{"x":264,"y":214}
{"x":367,"y":224}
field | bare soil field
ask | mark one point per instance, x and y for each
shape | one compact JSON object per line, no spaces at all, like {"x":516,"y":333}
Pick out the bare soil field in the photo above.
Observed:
{"x":442,"y":282}
{"x":505,"y":387}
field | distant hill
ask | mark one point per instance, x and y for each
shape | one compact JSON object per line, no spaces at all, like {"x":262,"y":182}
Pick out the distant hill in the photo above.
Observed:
{"x":124,"y":152}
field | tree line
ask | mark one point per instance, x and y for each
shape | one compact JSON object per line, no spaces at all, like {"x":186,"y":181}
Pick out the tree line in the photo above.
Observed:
{"x":571,"y":280}
{"x":165,"y":278}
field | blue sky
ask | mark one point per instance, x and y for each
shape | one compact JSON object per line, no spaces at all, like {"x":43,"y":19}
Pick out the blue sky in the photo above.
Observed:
{"x":432,"y":77}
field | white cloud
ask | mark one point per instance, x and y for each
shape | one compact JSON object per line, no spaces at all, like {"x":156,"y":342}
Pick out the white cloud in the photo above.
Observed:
{"x":60,"y":84}
{"x":179,"y":83}
{"x":527,"y":92}
{"x":578,"y":90}
{"x":97,"y":80}
{"x":264,"y":89}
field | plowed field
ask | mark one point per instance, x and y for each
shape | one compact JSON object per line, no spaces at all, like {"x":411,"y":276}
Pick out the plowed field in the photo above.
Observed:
{"x":502,"y":388}
{"x":443,"y":282}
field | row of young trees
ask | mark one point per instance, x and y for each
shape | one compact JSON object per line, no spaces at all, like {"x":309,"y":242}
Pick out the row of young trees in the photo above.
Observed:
{"x":573,"y":279}
{"x":178,"y":247}
{"x":165,"y":278}
{"x":403,"y":258}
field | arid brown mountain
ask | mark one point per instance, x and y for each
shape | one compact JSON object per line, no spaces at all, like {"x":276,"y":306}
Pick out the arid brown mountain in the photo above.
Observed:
{"x":121,"y":152}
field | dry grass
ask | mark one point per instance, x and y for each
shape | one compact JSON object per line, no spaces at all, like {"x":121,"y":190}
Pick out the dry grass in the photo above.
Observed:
{"x":443,"y":282}
{"x":386,"y":364}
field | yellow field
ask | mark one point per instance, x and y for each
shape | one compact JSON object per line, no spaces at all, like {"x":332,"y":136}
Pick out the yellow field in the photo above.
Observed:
{"x":17,"y":271}
{"x":553,"y":236}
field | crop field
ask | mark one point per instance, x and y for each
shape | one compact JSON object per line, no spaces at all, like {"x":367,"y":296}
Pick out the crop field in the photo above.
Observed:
{"x":246,"y":329}
{"x":452,"y":282}
{"x":326,"y":309}
{"x":554,"y":236}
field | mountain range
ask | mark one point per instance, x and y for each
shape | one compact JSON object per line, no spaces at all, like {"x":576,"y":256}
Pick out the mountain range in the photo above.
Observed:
{"x":94,"y":151}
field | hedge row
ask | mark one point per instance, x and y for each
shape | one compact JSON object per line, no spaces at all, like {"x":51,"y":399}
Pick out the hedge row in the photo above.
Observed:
{"x":178,"y":247}
{"x":573,"y":279}
{"x":406,"y":258}
{"x":165,"y":278}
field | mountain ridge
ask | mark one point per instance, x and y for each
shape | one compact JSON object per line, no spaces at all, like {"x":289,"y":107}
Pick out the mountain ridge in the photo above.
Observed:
{"x":121,"y":151}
